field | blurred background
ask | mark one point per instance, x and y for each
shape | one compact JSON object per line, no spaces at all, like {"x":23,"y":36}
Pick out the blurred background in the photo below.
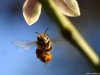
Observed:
{"x":66,"y":58}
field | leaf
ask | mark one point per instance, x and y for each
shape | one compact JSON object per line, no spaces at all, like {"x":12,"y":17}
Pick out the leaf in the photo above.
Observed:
{"x":68,"y":7}
{"x":31,"y":11}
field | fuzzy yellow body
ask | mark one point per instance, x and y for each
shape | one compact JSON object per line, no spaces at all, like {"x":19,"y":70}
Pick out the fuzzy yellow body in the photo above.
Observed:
{"x":44,"y":47}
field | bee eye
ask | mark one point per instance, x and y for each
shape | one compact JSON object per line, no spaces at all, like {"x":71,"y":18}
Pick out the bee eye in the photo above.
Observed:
{"x":37,"y":38}
{"x":46,"y":38}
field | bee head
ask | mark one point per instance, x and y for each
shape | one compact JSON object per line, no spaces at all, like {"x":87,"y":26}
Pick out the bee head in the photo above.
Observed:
{"x":43,"y":37}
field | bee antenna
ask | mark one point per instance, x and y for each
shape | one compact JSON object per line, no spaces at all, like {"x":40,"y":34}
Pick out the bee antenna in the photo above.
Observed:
{"x":37,"y":33}
{"x":46,"y":30}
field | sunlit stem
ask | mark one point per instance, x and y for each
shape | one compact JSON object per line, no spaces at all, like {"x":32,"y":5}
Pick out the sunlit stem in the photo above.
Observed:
{"x":70,"y":33}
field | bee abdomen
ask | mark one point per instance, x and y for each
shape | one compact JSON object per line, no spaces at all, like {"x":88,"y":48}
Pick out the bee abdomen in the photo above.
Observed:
{"x":43,"y":55}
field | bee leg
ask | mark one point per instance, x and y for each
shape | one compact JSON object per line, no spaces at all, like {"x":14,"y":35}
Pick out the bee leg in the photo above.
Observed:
{"x":48,"y":49}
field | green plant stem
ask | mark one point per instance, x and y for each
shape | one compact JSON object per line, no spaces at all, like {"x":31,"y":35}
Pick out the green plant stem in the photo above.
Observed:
{"x":70,"y":33}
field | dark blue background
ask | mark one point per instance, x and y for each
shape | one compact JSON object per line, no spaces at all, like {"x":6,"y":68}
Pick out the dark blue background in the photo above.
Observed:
{"x":66,"y":59}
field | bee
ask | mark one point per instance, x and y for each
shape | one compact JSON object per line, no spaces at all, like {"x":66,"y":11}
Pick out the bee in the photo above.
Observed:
{"x":44,"y":46}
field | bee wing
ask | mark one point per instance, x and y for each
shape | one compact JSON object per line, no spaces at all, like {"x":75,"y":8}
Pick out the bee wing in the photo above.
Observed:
{"x":58,"y":41}
{"x":25,"y":44}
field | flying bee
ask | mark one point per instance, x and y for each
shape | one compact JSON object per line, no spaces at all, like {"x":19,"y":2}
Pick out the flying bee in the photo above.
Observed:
{"x":44,"y":46}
